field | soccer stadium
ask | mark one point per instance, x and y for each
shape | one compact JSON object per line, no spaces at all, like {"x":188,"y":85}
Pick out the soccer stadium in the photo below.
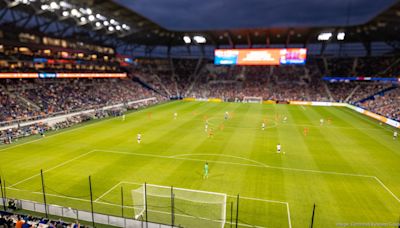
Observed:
{"x":204,"y":114}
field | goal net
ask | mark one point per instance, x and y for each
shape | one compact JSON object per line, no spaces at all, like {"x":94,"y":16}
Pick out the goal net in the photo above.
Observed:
{"x":252,"y":99}
{"x":185,"y":207}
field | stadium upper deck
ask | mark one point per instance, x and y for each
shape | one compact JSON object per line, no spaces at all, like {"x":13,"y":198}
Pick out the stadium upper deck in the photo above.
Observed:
{"x":107,"y":23}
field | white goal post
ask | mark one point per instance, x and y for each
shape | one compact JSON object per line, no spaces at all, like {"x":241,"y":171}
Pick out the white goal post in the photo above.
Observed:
{"x":186,"y":207}
{"x":252,"y":99}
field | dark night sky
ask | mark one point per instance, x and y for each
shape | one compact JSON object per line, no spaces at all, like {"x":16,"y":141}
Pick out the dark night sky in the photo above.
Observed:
{"x":231,"y":14}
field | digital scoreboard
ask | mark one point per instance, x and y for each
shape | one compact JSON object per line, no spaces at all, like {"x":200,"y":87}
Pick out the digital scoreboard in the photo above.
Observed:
{"x":268,"y":56}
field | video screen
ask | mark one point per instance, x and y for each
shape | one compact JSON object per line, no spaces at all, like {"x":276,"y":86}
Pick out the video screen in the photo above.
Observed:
{"x":270,"y":56}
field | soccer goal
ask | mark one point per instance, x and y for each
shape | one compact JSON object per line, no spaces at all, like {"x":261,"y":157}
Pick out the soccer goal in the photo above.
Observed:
{"x":179,"y":206}
{"x":252,"y":100}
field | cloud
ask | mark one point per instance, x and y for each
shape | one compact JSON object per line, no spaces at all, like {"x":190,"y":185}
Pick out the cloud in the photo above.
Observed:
{"x":230,"y":14}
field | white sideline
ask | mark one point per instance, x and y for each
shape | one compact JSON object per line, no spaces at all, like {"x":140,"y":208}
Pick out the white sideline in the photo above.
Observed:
{"x":66,"y":131}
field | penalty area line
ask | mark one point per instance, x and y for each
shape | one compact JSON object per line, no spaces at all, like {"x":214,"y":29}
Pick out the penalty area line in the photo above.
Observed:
{"x":257,"y":165}
{"x":98,"y":200}
{"x":52,"y":168}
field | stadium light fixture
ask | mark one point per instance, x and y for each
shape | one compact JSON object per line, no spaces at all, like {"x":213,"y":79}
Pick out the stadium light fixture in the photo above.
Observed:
{"x":74,"y":12}
{"x":65,"y":4}
{"x":98,"y":24}
{"x":65,"y":13}
{"x":89,"y":11}
{"x":126,"y":27}
{"x":106,"y":23}
{"x":199,"y":39}
{"x":114,"y":22}
{"x":44,"y":7}
{"x":187,"y":40}
{"x":111,"y":29}
{"x":324,"y":36}
{"x":118,"y":27}
{"x":54,"y":5}
{"x":83,"y":19}
{"x":340,"y":36}
{"x":91,"y":18}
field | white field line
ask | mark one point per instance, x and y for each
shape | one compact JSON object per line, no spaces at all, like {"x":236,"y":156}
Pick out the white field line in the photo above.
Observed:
{"x":21,"y":144}
{"x":258,"y":164}
{"x":261,"y":166}
{"x":68,"y":130}
{"x":52,"y":168}
{"x":387,"y":189}
{"x":224,"y":155}
{"x":221,"y":162}
{"x":130,"y":207}
{"x":98,"y":200}
{"x":232,"y":196}
{"x":302,"y":107}
{"x":105,"y":193}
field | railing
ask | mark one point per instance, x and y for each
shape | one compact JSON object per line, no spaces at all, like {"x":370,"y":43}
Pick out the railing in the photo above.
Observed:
{"x":66,"y":212}
{"x":64,"y":115}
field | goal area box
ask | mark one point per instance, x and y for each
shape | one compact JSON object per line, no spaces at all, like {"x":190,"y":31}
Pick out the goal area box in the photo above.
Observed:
{"x":179,"y":206}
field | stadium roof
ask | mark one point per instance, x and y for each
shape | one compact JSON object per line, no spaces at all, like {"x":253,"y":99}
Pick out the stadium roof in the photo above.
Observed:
{"x":378,"y":25}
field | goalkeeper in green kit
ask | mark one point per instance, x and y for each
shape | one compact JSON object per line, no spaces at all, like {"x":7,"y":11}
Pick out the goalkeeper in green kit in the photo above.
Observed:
{"x":205,"y":175}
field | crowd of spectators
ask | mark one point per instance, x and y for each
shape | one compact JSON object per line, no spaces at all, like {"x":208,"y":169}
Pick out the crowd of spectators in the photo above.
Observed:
{"x":38,"y":98}
{"x":23,"y":99}
{"x":387,"y":104}
{"x":9,"y":220}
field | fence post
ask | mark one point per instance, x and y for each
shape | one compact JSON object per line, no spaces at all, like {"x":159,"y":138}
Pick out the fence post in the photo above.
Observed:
{"x":4,"y":189}
{"x":91,"y":200}
{"x":231,"y":214}
{"x":122,"y":202}
{"x":2,"y":196}
{"x":145,"y":201}
{"x":312,"y":217}
{"x":237,"y":211}
{"x":44,"y":193}
{"x":172,"y":207}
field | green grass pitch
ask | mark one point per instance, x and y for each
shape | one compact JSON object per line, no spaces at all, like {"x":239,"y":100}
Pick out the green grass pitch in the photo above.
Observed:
{"x":350,"y":167}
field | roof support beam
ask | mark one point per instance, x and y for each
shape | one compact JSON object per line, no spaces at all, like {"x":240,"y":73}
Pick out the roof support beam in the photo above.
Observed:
{"x":249,"y":43}
{"x":288,"y":38}
{"x":267,"y":39}
{"x":231,"y":43}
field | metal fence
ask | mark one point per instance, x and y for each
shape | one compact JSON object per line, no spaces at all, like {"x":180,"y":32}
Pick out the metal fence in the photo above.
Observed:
{"x":65,"y":212}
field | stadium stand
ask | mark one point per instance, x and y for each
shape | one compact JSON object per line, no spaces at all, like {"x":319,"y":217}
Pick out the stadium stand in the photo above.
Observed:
{"x":9,"y":220}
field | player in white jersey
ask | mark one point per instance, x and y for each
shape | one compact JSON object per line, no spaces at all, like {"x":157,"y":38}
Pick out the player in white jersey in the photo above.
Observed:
{"x":395,"y":134}
{"x":278,"y":148}
{"x":321,"y":121}
{"x":285,"y":119}
{"x":123,"y":117}
{"x":139,"y":138}
{"x":175,"y":115}
{"x":263,"y":126}
{"x":206,"y":127}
